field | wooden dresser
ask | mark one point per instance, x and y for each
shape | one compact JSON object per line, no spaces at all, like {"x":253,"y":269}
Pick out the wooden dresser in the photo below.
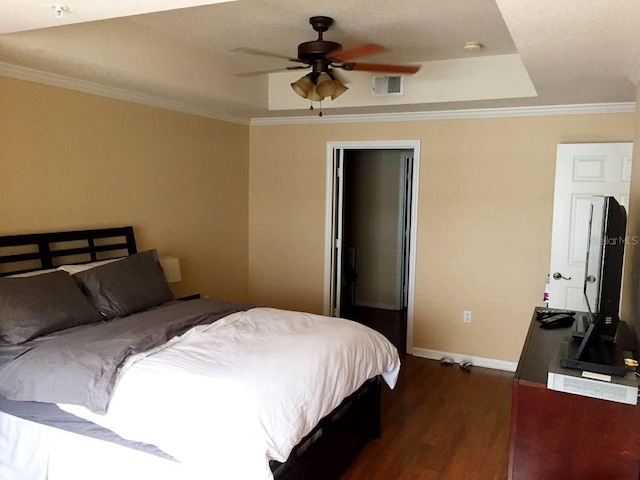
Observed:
{"x":556,"y":435}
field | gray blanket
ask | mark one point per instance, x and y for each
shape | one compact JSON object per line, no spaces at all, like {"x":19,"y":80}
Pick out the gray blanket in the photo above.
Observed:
{"x":80,"y":365}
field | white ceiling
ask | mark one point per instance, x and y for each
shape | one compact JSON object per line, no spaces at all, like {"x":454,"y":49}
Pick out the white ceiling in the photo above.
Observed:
{"x":541,"y":52}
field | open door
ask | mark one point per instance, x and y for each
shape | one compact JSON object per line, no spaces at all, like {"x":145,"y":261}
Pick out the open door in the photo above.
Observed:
{"x":405,"y":218}
{"x":337,"y":232}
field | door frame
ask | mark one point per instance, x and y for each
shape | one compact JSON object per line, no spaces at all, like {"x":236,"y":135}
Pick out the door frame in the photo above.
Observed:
{"x":329,"y":242}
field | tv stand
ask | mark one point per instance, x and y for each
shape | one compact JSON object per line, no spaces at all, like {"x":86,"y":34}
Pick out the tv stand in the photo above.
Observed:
{"x":562,"y":435}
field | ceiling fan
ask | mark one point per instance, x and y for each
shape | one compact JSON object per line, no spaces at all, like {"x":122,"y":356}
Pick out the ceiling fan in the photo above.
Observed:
{"x":324,"y":57}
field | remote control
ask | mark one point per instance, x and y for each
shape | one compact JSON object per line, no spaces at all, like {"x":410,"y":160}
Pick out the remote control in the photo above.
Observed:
{"x":546,"y":312}
{"x":556,"y":321}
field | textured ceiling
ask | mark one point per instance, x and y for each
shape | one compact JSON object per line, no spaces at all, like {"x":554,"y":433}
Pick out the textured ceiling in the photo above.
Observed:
{"x":22,"y":15}
{"x":574,"y":52}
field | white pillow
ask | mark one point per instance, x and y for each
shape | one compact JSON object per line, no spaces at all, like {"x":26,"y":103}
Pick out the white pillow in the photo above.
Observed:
{"x":73,"y":269}
{"x":34,"y":273}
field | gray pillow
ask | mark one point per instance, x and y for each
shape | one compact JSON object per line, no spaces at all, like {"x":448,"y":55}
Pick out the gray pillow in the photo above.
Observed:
{"x":42,"y":304}
{"x":130,"y":285}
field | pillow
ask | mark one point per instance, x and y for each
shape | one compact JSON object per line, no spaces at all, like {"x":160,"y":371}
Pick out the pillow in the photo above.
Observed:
{"x":81,"y":267}
{"x":135,"y":283}
{"x":42,"y":304}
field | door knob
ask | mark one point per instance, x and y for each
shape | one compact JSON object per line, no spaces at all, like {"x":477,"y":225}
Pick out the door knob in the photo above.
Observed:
{"x":558,"y":276}
{"x":591,"y":279}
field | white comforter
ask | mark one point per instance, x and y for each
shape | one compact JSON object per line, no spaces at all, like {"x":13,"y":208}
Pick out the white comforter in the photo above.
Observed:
{"x":227,"y":397}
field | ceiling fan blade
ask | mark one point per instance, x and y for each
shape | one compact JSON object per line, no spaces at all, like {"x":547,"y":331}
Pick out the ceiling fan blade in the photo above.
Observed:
{"x":262,"y":53}
{"x":358,"y":51}
{"x":299,"y":67}
{"x":381,"y":67}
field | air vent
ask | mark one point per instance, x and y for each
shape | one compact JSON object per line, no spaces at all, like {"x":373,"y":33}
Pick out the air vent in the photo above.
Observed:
{"x":388,"y":85}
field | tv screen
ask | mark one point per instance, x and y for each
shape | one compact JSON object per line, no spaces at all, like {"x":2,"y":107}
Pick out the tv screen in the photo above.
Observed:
{"x":603,"y":266}
{"x":594,"y":254}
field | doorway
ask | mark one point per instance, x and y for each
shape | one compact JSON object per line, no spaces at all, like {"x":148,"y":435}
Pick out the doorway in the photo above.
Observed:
{"x":370,"y":235}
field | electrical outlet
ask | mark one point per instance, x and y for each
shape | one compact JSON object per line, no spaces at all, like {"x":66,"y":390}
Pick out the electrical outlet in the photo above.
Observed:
{"x":466,"y":317}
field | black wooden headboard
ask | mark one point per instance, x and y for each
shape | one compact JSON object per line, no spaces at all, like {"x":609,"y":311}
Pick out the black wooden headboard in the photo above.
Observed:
{"x":38,"y":251}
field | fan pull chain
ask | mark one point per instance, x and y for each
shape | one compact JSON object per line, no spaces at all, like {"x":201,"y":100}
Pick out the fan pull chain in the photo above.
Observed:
{"x":311,"y":108}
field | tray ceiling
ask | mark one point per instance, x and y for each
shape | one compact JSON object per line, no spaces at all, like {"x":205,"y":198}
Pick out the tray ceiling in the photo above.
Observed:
{"x":184,"y":53}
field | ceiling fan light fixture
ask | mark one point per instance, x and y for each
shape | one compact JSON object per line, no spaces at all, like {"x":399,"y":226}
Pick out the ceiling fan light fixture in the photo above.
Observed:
{"x":304,"y":86}
{"x":314,"y":96}
{"x":323,"y":77}
{"x":340,"y":89}
{"x":326,"y":86}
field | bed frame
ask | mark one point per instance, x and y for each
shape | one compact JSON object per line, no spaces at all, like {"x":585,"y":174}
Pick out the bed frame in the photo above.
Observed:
{"x":328,"y":450}
{"x":40,"y":251}
{"x":324,"y":454}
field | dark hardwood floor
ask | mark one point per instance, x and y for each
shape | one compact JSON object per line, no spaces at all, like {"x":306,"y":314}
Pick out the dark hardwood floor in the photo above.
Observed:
{"x":440,"y":423}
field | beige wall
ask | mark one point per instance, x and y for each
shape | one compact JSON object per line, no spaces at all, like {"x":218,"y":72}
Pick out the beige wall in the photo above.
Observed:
{"x":484,"y":234}
{"x":631,"y":285}
{"x":70,"y":160}
{"x":245,"y":213}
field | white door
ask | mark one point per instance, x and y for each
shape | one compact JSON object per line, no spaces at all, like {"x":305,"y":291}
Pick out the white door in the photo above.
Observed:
{"x":406,"y":178}
{"x":582,"y":170}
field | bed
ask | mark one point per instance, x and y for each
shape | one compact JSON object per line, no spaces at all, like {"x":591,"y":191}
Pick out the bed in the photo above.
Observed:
{"x":158,"y":388}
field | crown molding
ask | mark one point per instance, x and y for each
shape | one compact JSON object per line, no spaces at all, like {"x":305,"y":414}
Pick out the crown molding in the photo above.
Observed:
{"x":584,"y":109}
{"x":55,"y":80}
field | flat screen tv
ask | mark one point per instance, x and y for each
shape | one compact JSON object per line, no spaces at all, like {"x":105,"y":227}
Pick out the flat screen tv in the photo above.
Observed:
{"x":602,"y":285}
{"x":603,"y":269}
